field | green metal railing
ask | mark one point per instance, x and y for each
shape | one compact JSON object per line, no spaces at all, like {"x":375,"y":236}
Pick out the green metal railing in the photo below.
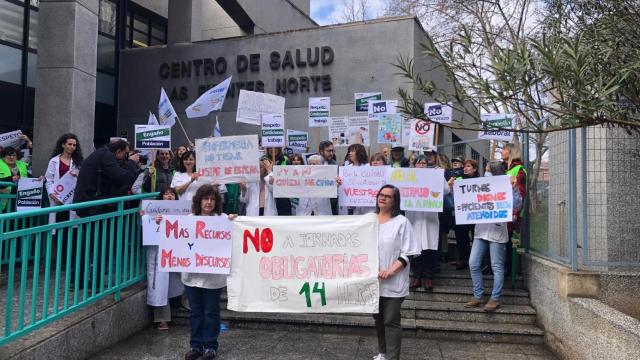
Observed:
{"x":54,"y":269}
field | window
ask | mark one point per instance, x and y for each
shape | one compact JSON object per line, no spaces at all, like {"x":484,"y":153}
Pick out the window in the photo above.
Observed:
{"x":11,"y":20}
{"x":10,"y":66}
{"x":107,"y":17}
{"x":106,"y":54}
{"x":33,"y":29}
{"x":144,"y":28}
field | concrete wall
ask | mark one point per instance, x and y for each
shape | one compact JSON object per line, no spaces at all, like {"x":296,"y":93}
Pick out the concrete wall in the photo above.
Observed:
{"x":276,"y":15}
{"x":210,"y":21}
{"x":160,"y":7}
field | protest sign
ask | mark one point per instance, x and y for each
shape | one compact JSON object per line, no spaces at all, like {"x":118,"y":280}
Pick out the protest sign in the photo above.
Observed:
{"x":299,"y":264}
{"x":228,"y":159}
{"x":362,"y":100}
{"x":251,"y":105}
{"x":389,"y":129}
{"x":319,"y":109}
{"x":483,"y":200}
{"x":64,"y":188}
{"x":150,"y":137}
{"x":360,"y":185}
{"x":272,"y":130}
{"x":338,"y":131}
{"x":442,"y":113}
{"x":305,"y":181}
{"x":151,"y":230}
{"x":11,"y":139}
{"x":421,"y":135}
{"x":420,"y":189}
{"x":359,"y":130}
{"x":297,"y":140}
{"x":29,"y":195}
{"x":195,"y":244}
{"x":378,"y":108}
{"x":491,"y":123}
{"x":405,"y":134}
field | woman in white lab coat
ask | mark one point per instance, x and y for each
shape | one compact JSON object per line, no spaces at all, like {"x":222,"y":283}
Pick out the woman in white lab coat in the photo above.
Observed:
{"x":258,"y":197}
{"x":66,"y":158}
{"x":314,"y":206}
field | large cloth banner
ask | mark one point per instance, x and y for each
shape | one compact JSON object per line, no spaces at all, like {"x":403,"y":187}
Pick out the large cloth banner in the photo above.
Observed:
{"x":491,"y":124}
{"x":196,"y":244}
{"x":64,"y":188}
{"x":11,"y":139}
{"x":29,"y":195}
{"x":151,"y":230}
{"x":360,"y":185}
{"x":305,"y":181}
{"x":483,"y":200}
{"x":252,"y":105}
{"x":314,"y":264}
{"x":420,"y":189}
{"x":229,"y":159}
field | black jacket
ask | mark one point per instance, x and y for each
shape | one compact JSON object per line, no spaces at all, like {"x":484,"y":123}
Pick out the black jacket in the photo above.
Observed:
{"x":103,"y":176}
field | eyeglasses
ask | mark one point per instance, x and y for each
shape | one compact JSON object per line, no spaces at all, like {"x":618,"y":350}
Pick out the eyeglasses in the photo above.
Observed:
{"x":11,"y":155}
{"x":388,"y":197}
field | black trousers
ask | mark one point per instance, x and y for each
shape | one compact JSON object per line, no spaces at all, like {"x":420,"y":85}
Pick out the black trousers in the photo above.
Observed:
{"x":463,"y":241}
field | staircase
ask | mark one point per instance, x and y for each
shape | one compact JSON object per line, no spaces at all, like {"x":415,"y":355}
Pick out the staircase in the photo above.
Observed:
{"x":439,"y":314}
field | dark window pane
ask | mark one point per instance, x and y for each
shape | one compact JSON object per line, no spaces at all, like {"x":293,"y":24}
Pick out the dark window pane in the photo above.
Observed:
{"x":141,"y":24}
{"x":140,"y":40}
{"x":32,"y":60}
{"x":155,"y":41}
{"x":10,"y":64}
{"x":107,"y":17}
{"x":158,"y":31}
{"x":33,"y":29}
{"x":105,"y":88}
{"x":11,"y":20}
{"x":106,"y":54}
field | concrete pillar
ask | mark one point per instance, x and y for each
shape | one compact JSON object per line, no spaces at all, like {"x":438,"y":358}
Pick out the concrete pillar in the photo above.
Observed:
{"x":180,"y":21}
{"x":66,"y":75}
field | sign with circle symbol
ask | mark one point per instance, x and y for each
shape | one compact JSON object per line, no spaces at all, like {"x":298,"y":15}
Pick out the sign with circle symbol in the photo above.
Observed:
{"x":422,"y":127}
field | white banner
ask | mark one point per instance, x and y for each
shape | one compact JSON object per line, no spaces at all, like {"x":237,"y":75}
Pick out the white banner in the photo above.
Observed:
{"x":229,"y":159}
{"x":211,"y":100}
{"x":151,"y":230}
{"x":310,"y":264}
{"x":360,"y":185}
{"x":483,"y":200}
{"x":305,"y":181}
{"x":297,"y":140}
{"x":377,"y":108}
{"x":11,"y":139}
{"x":166,"y":112}
{"x":338,"y":131}
{"x":421,"y":135}
{"x":64,"y":188}
{"x":251,"y":105}
{"x":490,"y":123}
{"x":29,"y":194}
{"x":272,"y":130}
{"x":319,"y":111}
{"x":442,"y":113}
{"x":150,"y":137}
{"x":361,"y":100}
{"x":420,"y":189}
{"x":196,"y":244}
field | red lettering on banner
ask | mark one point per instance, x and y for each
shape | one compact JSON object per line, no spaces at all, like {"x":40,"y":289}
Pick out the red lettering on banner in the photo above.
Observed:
{"x":168,"y":260}
{"x":228,"y":170}
{"x":260,"y":240}
{"x":500,"y":196}
{"x":213,"y":171}
{"x":172,"y":227}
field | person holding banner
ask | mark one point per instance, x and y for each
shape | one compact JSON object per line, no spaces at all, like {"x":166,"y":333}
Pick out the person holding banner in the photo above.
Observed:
{"x":491,"y":237}
{"x":66,"y":158}
{"x":396,"y":243}
{"x":185,"y":181}
{"x":180,"y":150}
{"x":356,"y":156}
{"x":267,"y":201}
{"x":314,"y":206}
{"x":11,"y":170}
{"x":463,"y":237}
{"x":282,"y":204}
{"x":296,"y":159}
{"x":159,"y":175}
{"x":511,"y":158}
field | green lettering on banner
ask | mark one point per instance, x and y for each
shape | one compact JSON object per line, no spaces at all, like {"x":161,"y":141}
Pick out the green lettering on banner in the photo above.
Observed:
{"x":152,"y":134}
{"x":306,"y":290}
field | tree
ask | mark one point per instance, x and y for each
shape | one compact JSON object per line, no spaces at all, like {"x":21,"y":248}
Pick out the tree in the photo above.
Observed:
{"x":353,"y":11}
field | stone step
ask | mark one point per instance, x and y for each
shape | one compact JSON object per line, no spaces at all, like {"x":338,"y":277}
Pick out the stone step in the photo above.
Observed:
{"x":455,"y":311}
{"x":464,"y":294}
{"x":453,"y":279}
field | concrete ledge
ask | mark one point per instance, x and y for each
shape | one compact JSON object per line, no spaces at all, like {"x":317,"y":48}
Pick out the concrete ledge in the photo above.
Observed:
{"x":578,"y":284}
{"x":87,"y":331}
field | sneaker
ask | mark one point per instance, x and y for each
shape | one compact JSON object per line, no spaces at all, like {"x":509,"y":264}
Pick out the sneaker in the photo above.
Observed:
{"x":209,"y":355}
{"x":380,"y":357}
{"x":193,"y":354}
{"x":474,"y":303}
{"x":491,"y":306}
{"x":415,"y":283}
{"x":428,"y":284}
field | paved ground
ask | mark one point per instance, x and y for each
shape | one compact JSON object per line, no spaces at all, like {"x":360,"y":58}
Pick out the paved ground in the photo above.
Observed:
{"x":257,"y":344}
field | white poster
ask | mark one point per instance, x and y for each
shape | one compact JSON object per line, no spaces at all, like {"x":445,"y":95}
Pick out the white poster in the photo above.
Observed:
{"x":378,"y":108}
{"x":421,"y":135}
{"x":305,"y":181}
{"x":338,"y":131}
{"x":151,"y":230}
{"x":405,"y":133}
{"x":483,"y":200}
{"x":64,"y":188}
{"x":360,"y":185}
{"x":11,"y":139}
{"x":297,"y":140}
{"x":491,"y":124}
{"x":420,"y":189}
{"x":195,"y":244}
{"x":359,"y":130}
{"x":150,"y":137}
{"x":305,"y":264}
{"x":229,"y":159}
{"x":29,"y":195}
{"x":361,"y":100}
{"x":319,"y":111}
{"x":442,"y":113}
{"x":251,"y":105}
{"x":272,"y":130}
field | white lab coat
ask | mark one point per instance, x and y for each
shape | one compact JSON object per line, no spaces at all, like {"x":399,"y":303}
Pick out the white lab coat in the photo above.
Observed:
{"x":160,"y":285}
{"x":317,"y":206}
{"x":251,"y":198}
{"x":426,"y":226}
{"x":269,"y":201}
{"x":51,"y":176}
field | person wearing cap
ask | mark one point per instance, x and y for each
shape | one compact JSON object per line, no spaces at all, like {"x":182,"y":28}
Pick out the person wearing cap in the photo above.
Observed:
{"x":397,"y":157}
{"x":432,"y":157}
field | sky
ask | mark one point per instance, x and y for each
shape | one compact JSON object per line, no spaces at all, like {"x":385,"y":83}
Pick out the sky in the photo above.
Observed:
{"x":326,"y":12}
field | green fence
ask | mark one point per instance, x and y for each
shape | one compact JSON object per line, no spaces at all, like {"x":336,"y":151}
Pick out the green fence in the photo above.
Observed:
{"x":50,"y":270}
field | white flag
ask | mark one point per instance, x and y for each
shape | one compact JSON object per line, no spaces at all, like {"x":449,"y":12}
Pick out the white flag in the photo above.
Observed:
{"x":152,"y":119}
{"x":216,"y":129}
{"x":211,"y":100}
{"x":165,"y":110}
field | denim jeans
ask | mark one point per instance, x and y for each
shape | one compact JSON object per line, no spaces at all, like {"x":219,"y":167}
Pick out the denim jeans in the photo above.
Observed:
{"x":204,"y":321}
{"x":497,"y":252}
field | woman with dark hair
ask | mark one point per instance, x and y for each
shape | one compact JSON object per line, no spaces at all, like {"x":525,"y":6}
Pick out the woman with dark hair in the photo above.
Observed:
{"x":65,"y":158}
{"x":357,"y":155}
{"x":463,"y":232}
{"x":177,"y":155}
{"x":396,"y":243}
{"x":378,"y":159}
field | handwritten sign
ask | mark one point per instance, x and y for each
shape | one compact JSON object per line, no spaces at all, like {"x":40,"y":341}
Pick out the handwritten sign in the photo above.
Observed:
{"x":196,"y":244}
{"x":64,"y":188}
{"x":151,"y":230}
{"x":273,"y":130}
{"x":29,"y":194}
{"x":360,"y":185}
{"x":297,"y":140}
{"x":11,"y":139}
{"x":378,"y":108}
{"x":483,"y":200}
{"x":491,"y":123}
{"x":229,"y":159}
{"x":421,"y":135}
{"x":362,"y":100}
{"x":319,"y":110}
{"x":252,"y":105}
{"x":359,"y":130}
{"x":389,"y":129}
{"x":300,"y":264}
{"x":153,"y":137}
{"x":420,"y":189}
{"x":305,"y":181}
{"x":442,"y":113}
